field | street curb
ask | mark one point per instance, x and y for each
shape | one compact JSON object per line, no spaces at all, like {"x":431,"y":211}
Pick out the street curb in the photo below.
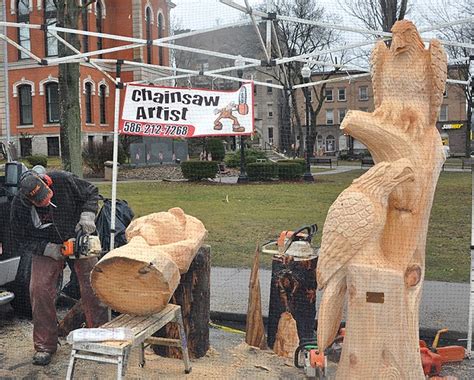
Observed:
{"x":450,"y":337}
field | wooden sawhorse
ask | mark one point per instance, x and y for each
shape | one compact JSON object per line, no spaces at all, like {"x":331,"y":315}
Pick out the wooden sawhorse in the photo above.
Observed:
{"x":117,"y":352}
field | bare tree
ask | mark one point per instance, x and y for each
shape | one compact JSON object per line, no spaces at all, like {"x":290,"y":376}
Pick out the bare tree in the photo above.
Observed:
{"x":69,"y":74}
{"x":296,"y":39}
{"x":376,"y":14}
{"x":446,"y":12}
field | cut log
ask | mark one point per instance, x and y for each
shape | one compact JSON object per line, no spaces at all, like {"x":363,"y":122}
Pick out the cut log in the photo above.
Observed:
{"x":254,"y":329}
{"x":193,"y":295}
{"x":74,"y":319}
{"x":286,"y":340}
{"x":293,"y":289}
{"x":140,"y":277}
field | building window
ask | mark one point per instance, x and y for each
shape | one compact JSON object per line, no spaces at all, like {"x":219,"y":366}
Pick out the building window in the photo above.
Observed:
{"x":52,"y":102}
{"x":53,"y":146}
{"x":270,"y":135}
{"x":149,"y":47}
{"x":25,"y":146}
{"x":105,"y":139}
{"x":443,"y":114}
{"x":329,"y":117}
{"x":161,"y":59}
{"x":270,"y":110}
{"x":85,"y":26}
{"x":102,"y":93}
{"x":363,"y":93}
{"x":330,"y":143}
{"x":269,"y":89}
{"x":25,"y":102}
{"x":90,"y":141}
{"x":341,"y":94}
{"x":88,"y":87}
{"x":51,"y":43}
{"x":328,"y":95}
{"x":319,"y":142}
{"x":342,"y":114}
{"x":23,"y":33}
{"x":98,"y":25}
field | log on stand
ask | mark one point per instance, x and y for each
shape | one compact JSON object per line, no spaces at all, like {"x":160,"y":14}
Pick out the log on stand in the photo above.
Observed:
{"x":293,"y":289}
{"x":193,"y":295}
{"x":140,"y":277}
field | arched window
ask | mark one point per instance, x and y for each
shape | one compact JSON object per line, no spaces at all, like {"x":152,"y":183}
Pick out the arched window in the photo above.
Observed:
{"x":160,"y":35}
{"x":98,"y":25}
{"x":85,"y":26}
{"x":23,"y":33}
{"x":148,"y":18}
{"x":25,"y":102}
{"x":50,"y":18}
{"x":52,"y":102}
{"x":330,"y":143}
{"x":102,"y":94}
{"x":88,"y":101}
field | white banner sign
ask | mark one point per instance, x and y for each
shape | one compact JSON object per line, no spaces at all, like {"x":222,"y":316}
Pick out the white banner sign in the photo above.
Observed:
{"x":187,"y":112}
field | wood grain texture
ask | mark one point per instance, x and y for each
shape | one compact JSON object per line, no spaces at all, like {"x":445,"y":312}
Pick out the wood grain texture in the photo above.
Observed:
{"x":140,"y":277}
{"x":374,"y":238}
{"x":254,"y":329}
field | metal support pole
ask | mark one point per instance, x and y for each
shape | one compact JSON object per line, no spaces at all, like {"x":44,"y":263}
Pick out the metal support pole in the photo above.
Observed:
{"x":7,"y":87}
{"x":118,"y":87}
{"x":243,"y":174}
{"x":308,"y":177}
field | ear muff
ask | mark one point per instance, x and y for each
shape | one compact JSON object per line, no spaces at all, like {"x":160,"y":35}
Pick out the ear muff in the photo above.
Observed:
{"x":44,"y":177}
{"x":47,"y":179}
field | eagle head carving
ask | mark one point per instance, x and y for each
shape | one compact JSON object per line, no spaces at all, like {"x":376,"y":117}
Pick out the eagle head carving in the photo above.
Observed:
{"x":405,"y":37}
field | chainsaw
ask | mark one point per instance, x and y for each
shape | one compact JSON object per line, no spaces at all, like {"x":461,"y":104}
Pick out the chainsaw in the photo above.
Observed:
{"x":296,"y":244}
{"x":311,"y":359}
{"x":82,"y":246}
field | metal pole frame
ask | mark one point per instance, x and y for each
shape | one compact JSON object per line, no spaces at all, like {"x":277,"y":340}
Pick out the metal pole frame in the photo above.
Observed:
{"x":243,"y":178}
{"x":307,"y":177}
{"x":118,"y":88}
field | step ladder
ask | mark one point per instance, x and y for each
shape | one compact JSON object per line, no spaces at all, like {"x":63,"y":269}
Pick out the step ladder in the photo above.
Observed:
{"x":118,"y":352}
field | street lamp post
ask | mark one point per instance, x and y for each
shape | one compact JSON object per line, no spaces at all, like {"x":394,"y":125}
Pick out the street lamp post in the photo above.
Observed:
{"x":239,"y":62}
{"x":306,"y":74}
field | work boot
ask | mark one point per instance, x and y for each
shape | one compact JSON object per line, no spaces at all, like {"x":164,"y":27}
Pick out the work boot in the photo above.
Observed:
{"x":42,"y":358}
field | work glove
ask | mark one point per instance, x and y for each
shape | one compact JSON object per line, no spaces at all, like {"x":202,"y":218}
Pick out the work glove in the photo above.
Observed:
{"x":86,"y":222}
{"x":53,"y":251}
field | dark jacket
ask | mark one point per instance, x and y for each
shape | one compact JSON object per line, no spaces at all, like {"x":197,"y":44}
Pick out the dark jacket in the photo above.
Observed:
{"x":71,"y":195}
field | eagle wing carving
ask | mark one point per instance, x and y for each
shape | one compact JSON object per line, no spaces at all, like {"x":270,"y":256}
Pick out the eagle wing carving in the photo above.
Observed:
{"x":438,"y":66}
{"x":349,"y":224}
{"x":378,"y":59}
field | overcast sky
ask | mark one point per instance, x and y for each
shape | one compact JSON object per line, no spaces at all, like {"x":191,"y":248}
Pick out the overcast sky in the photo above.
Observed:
{"x":198,"y":14}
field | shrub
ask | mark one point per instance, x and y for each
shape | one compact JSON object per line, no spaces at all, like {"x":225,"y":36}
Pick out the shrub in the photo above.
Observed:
{"x":232,"y":160}
{"x":216,"y":148}
{"x":195,"y":170}
{"x":264,"y":171}
{"x":299,"y":161}
{"x":289,"y":170}
{"x":95,"y":155}
{"x":37,"y":159}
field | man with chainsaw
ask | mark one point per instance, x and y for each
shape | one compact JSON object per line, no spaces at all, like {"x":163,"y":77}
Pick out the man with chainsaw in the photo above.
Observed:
{"x":48,"y":210}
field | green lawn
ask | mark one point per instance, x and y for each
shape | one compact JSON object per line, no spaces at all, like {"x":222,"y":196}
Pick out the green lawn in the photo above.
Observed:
{"x":258,"y":212}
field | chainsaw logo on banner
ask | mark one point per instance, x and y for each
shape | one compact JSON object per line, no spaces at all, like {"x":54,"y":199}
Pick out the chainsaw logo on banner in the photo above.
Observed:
{"x":186,"y":112}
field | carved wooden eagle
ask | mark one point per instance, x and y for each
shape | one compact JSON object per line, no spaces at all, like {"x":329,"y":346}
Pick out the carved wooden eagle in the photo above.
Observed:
{"x":353,"y":228}
{"x":408,"y":80}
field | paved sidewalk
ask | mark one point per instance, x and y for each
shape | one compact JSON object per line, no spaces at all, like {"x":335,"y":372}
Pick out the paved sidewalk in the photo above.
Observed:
{"x":444,"y":305}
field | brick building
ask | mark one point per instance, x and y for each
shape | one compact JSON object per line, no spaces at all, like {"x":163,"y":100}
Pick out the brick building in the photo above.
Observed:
{"x":357,"y":94}
{"x":33,"y":98}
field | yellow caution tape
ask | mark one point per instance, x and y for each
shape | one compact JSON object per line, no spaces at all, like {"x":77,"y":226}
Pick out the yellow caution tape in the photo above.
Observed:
{"x":225,"y":328}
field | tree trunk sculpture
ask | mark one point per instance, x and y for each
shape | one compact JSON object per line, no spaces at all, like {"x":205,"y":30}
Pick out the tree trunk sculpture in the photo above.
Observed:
{"x":140,"y":277}
{"x":374,"y":237}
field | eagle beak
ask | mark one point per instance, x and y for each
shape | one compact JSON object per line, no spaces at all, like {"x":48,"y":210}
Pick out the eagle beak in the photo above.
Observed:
{"x":398,"y":46}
